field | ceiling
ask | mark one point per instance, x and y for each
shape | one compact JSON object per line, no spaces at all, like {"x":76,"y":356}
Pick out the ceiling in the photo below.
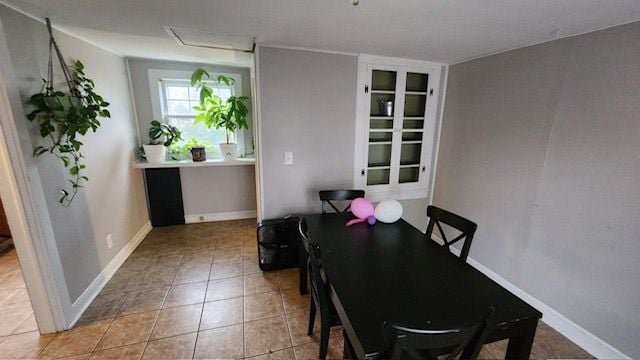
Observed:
{"x":448,"y":31}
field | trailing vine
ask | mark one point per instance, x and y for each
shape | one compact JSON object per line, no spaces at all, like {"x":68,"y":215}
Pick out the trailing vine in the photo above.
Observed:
{"x":63,"y":118}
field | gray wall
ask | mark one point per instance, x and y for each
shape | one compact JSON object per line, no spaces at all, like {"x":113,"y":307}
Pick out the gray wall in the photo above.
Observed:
{"x":307,"y":106}
{"x":113,"y":202}
{"x":216,"y":189}
{"x":204,"y":190}
{"x":540,"y":147}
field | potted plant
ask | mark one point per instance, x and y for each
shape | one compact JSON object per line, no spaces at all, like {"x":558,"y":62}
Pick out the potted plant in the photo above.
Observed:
{"x":193,"y":148}
{"x":156,"y":150}
{"x":230,"y":115}
{"x":65,"y":117}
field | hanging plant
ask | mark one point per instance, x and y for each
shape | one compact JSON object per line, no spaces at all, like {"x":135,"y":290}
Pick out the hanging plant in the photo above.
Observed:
{"x":63,"y":117}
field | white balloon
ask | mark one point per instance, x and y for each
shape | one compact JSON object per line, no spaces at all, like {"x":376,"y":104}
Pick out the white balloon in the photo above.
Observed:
{"x":388,"y":211}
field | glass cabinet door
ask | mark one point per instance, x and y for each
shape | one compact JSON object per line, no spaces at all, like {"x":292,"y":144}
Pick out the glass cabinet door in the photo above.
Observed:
{"x":381,"y":114}
{"x":396,"y":127}
{"x":415,"y":101}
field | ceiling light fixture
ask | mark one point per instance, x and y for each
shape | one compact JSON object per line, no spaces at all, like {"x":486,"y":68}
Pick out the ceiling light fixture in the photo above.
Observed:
{"x":354,"y":2}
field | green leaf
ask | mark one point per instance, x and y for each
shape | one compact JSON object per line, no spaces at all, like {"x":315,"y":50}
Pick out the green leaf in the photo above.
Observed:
{"x":39,"y":150}
{"x":65,"y":193}
{"x":226,"y":80}
{"x":197,"y":75}
{"x":205,"y":93}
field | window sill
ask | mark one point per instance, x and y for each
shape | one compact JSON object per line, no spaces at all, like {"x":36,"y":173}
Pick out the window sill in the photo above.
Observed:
{"x":189,"y":163}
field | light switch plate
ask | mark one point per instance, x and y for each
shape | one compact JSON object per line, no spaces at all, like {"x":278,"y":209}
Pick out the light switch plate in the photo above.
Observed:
{"x":288,"y":158}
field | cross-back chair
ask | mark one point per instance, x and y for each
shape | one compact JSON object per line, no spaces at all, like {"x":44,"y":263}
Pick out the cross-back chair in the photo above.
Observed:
{"x":320,"y":299}
{"x":403,"y":342}
{"x":327,"y":196}
{"x":466,"y":227}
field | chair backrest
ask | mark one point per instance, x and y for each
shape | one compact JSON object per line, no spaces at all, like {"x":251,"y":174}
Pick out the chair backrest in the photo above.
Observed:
{"x":408,"y":343}
{"x":466,"y":227}
{"x":302,"y":228}
{"x":318,"y":287}
{"x":326,"y":196}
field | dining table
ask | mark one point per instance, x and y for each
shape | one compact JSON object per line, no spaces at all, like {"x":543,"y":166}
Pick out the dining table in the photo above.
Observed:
{"x":394,"y":273}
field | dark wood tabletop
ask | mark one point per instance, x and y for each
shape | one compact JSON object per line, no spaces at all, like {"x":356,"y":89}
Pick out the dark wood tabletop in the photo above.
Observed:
{"x":393,"y":272}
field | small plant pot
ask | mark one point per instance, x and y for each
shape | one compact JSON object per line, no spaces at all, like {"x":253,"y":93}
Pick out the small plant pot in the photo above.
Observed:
{"x":155,"y":153}
{"x":198,"y":153}
{"x":229,"y":151}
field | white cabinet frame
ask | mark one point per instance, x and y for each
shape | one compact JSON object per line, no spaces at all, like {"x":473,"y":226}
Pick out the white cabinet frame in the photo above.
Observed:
{"x":395,"y":190}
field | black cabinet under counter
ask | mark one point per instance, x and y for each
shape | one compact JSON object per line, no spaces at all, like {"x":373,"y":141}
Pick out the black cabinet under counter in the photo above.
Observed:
{"x":164,"y":196}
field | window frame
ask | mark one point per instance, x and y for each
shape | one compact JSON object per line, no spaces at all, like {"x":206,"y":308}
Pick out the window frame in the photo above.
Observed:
{"x":158,"y":99}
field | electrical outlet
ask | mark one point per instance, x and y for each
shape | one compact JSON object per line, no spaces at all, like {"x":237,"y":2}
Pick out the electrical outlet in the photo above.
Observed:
{"x":288,"y":158}
{"x":109,"y":241}
{"x":201,"y":218}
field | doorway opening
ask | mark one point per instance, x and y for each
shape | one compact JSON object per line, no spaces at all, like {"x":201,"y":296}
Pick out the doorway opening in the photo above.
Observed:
{"x":16,"y":311}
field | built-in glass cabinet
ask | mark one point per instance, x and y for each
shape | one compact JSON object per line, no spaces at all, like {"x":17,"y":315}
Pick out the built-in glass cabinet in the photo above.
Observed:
{"x":397,"y":111}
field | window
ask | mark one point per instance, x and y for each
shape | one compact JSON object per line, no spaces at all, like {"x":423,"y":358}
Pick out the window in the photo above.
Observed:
{"x":174,"y":103}
{"x":179,"y":98}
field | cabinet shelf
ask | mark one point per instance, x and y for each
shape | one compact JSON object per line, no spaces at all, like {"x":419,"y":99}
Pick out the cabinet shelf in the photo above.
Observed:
{"x":383,"y":92}
{"x":378,"y":167}
{"x":377,"y":117}
{"x":412,"y":142}
{"x":416,"y":93}
{"x":379,"y":142}
{"x":409,"y":165}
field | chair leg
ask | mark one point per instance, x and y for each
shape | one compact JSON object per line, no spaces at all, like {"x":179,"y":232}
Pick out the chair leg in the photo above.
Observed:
{"x":312,"y":317}
{"x":324,"y":339}
{"x":304,"y":263}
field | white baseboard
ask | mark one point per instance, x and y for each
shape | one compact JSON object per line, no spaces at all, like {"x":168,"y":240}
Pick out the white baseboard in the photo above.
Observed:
{"x":84,"y":300}
{"x":572,"y":331}
{"x":220,"y":216}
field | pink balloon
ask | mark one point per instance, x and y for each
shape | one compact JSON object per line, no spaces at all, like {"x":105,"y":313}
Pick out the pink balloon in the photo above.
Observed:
{"x":362,"y":208}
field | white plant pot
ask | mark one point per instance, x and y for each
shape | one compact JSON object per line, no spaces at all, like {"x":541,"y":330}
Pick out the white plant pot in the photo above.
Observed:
{"x":229,"y":151}
{"x":155,"y":153}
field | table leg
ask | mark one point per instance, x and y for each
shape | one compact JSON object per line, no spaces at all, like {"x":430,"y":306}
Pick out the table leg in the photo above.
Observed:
{"x":520,"y":346}
{"x":303,"y":270}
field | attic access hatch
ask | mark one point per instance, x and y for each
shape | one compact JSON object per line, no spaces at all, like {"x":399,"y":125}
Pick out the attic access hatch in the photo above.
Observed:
{"x":203,"y":39}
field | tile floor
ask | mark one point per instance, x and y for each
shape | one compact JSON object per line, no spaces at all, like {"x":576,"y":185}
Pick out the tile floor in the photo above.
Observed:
{"x":16,"y":314}
{"x":195,"y":291}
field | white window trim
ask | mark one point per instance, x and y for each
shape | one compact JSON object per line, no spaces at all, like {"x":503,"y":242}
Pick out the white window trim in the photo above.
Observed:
{"x":156,"y":94}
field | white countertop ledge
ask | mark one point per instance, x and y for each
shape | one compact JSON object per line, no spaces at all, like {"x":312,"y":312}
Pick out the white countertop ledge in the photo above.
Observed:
{"x":189,"y":163}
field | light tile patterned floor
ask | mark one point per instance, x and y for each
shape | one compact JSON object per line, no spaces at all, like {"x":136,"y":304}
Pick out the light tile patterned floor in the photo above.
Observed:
{"x":16,"y":314}
{"x":195,"y":291}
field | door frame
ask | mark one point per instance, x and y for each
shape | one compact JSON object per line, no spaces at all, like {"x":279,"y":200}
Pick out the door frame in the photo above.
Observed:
{"x":27,"y":213}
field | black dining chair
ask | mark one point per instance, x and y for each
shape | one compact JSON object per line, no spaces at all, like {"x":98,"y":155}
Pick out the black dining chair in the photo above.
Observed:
{"x":466,"y":227}
{"x":319,"y":293}
{"x":327,"y":196}
{"x":403,"y":342}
